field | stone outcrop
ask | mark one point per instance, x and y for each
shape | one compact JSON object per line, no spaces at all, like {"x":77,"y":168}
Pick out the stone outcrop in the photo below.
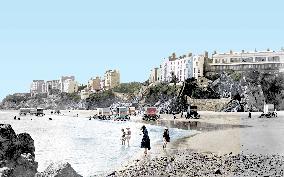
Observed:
{"x":17,"y":158}
{"x":251,"y":95}
{"x":59,"y":169}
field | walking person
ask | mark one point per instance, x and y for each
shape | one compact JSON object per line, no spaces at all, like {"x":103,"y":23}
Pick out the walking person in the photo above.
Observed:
{"x":145,"y":143}
{"x":128,"y":135}
{"x":166,"y":138}
{"x":123,"y":137}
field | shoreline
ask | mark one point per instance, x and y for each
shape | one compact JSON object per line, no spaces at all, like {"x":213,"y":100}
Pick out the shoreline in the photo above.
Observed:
{"x":256,"y":138}
{"x":226,"y":144}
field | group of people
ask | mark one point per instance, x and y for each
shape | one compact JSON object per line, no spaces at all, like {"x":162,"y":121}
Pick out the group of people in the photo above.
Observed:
{"x":145,"y":143}
{"x":126,"y":136}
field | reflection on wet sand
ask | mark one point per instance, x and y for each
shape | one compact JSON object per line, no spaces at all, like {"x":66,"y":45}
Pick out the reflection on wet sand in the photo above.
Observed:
{"x":194,"y":125}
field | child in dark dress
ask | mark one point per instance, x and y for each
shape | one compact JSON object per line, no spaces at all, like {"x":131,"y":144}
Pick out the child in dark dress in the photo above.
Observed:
{"x":145,"y":143}
{"x":123,"y":137}
{"x":166,"y":137}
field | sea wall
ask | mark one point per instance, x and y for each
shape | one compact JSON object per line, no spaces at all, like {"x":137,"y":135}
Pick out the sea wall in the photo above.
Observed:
{"x":208,"y":104}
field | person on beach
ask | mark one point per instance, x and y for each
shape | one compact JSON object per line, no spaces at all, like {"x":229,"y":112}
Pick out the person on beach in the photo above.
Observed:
{"x":128,"y":135}
{"x":145,"y":143}
{"x":123,"y":137}
{"x":249,"y":115}
{"x":166,"y":138}
{"x":174,"y":115}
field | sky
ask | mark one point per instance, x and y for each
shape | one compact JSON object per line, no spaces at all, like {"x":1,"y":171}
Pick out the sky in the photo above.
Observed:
{"x":48,"y":39}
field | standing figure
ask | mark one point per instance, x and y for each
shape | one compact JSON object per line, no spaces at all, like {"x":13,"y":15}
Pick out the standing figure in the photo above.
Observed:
{"x":128,"y":135}
{"x":123,"y":137}
{"x":174,"y":115}
{"x":145,"y":143}
{"x":249,"y":115}
{"x":166,"y":137}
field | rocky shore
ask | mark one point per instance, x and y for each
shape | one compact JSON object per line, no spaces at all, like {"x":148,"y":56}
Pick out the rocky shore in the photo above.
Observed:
{"x":188,"y":163}
{"x":17,"y":157}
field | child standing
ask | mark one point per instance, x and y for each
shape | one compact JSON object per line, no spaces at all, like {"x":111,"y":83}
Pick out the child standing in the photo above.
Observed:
{"x":123,"y":137}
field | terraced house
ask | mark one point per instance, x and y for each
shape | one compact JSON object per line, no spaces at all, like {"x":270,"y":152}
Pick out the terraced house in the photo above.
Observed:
{"x":264,"y":61}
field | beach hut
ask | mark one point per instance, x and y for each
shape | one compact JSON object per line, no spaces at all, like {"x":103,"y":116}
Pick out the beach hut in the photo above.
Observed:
{"x":122,"y":113}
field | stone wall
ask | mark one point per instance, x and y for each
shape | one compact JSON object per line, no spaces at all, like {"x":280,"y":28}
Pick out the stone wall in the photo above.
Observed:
{"x":208,"y":104}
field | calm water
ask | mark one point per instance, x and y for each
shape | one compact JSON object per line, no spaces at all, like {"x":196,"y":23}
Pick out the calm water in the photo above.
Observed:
{"x":91,"y":147}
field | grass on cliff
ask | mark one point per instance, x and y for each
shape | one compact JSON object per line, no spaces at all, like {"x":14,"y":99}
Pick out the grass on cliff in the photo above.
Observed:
{"x":129,"y":88}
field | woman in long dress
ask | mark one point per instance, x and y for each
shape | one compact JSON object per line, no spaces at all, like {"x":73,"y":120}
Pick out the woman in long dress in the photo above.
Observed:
{"x":145,"y":143}
{"x":166,"y":138}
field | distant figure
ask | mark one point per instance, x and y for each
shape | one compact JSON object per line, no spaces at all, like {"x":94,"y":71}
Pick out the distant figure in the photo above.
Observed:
{"x":15,"y":117}
{"x":50,"y":118}
{"x":249,"y":115}
{"x":123,"y":137}
{"x":77,"y":115}
{"x":19,"y":118}
{"x":128,"y":135}
{"x":51,"y":112}
{"x":181,"y":114}
{"x":166,"y":138}
{"x":145,"y":143}
{"x":174,"y":115}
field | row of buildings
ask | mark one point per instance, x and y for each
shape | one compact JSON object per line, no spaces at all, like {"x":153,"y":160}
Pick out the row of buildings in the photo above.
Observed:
{"x":65,"y":84}
{"x":197,"y":66}
{"x":68,"y":84}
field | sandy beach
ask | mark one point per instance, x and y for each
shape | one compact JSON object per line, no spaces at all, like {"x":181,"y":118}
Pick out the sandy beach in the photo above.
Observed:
{"x":254,"y":145}
{"x":227,"y":144}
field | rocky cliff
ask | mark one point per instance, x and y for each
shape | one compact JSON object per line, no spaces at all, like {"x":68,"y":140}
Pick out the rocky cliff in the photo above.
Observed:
{"x":17,"y":157}
{"x":245,"y":95}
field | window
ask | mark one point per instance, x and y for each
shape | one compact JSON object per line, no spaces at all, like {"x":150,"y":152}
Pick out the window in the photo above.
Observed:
{"x":260,"y":59}
{"x":248,"y":59}
{"x":275,"y":58}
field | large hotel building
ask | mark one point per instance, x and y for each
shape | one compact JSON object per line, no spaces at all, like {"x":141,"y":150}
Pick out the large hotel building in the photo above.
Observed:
{"x":265,"y":61}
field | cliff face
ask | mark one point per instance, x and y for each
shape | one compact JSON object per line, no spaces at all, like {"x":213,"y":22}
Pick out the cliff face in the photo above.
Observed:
{"x":246,"y":95}
{"x":17,"y":158}
{"x":61,"y":101}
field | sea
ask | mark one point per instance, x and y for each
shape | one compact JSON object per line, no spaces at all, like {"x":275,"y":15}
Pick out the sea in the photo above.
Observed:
{"x":92,"y":147}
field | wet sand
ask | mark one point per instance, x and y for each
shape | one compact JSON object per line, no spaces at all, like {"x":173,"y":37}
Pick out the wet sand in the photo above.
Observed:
{"x":229,"y":142}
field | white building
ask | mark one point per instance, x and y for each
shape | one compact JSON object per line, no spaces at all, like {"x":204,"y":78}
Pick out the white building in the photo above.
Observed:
{"x":63,"y":79}
{"x":70,"y":86}
{"x":198,"y":66}
{"x":37,"y":86}
{"x":52,"y":85}
{"x":85,"y":93}
{"x":265,"y":61}
{"x":183,"y":67}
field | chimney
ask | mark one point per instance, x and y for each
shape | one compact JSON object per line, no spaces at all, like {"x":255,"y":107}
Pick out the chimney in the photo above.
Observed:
{"x":214,"y":52}
{"x":206,"y":54}
{"x":243,"y":51}
{"x":231,"y":52}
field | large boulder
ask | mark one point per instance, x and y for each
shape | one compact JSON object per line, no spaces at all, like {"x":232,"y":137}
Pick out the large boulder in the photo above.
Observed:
{"x":59,"y":169}
{"x":17,"y":158}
